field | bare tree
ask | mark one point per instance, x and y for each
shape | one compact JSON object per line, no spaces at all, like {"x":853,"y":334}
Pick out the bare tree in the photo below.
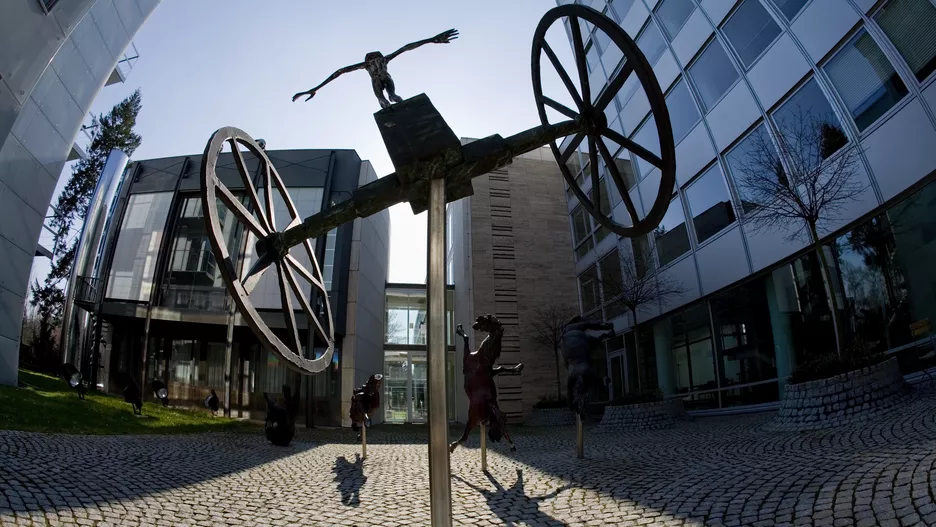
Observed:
{"x":801,"y":184}
{"x":636,"y":286}
{"x":547,"y":322}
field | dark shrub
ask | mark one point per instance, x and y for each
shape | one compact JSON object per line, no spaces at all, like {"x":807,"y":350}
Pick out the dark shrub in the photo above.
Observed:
{"x":858,"y":355}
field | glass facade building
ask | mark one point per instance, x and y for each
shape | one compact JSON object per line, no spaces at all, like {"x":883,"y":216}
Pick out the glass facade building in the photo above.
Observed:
{"x":739,"y":75}
{"x":54,"y":59}
{"x":165,"y":311}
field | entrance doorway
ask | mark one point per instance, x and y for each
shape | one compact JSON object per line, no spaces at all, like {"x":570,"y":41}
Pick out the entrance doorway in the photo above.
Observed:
{"x":405,"y":387}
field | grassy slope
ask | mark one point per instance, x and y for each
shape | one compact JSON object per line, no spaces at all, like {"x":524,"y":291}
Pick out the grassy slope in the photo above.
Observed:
{"x":48,"y":404}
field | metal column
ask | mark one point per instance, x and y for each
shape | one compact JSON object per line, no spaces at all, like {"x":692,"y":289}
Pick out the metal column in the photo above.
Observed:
{"x":440,"y":490}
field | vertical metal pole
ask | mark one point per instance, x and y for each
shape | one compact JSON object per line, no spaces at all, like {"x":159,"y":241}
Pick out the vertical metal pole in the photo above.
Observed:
{"x":440,"y":490}
{"x":483,"y":448}
{"x":228,"y":346}
{"x":144,"y":359}
{"x":579,"y":438}
{"x":363,"y":441}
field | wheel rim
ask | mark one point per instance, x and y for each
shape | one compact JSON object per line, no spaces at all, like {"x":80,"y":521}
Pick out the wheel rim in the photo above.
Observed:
{"x":589,"y":112}
{"x":263,"y":226}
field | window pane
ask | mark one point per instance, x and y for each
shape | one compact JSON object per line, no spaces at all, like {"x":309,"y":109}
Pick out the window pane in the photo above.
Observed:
{"x":807,"y":122}
{"x":591,"y":56}
{"x":583,"y":249}
{"x":625,"y":168}
{"x":672,"y":240}
{"x":790,"y":8}
{"x":602,"y":40}
{"x":604,"y":204}
{"x":650,"y":42}
{"x":588,"y":285}
{"x":611,"y":281}
{"x":673,"y":14}
{"x":750,"y":30}
{"x":713,"y":74}
{"x":642,"y":257}
{"x":580,"y":226}
{"x":682,"y":109}
{"x":647,"y":137}
{"x":620,"y":8}
{"x":750,"y":161}
{"x":710,"y":204}
{"x":865,"y":80}
{"x":911,"y":26}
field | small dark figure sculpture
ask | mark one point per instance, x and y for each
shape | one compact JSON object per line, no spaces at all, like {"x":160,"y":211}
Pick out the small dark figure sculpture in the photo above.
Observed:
{"x":376,"y":65}
{"x":133,"y":395}
{"x":575,"y":345}
{"x":280,"y":426}
{"x":73,"y":377}
{"x":365,"y":400}
{"x":212,"y":402}
{"x":160,"y":391}
{"x":479,"y":370}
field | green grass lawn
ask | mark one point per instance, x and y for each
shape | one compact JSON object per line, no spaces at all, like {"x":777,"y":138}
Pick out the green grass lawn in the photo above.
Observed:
{"x":48,"y":404}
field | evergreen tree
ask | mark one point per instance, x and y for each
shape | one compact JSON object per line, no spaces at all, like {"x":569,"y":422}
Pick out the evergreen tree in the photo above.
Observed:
{"x":113,"y":130}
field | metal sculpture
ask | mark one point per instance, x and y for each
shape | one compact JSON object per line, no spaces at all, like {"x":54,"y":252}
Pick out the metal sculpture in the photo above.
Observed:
{"x":433,"y":168}
{"x":479,"y":369}
{"x":365,"y":400}
{"x":160,"y":391}
{"x":376,"y":65}
{"x":280,"y":422}
{"x":576,"y":344}
{"x":74,"y":379}
{"x":212,"y":402}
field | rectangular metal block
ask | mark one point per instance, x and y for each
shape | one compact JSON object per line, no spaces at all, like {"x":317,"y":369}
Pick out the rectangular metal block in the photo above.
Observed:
{"x":420,"y":143}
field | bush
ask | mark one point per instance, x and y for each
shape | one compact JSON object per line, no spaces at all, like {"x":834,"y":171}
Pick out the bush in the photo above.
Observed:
{"x":643,"y":396}
{"x":551,"y":402}
{"x":859,"y":355}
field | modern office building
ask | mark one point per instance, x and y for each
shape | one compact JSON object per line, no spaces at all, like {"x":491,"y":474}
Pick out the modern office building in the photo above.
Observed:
{"x":738,"y":73}
{"x":54,"y":58}
{"x":162,"y":306}
{"x":507,"y":255}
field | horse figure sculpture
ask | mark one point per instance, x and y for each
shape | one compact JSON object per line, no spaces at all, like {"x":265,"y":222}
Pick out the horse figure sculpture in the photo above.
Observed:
{"x":576,"y":344}
{"x":365,"y":400}
{"x":479,"y":370}
{"x":280,"y":424}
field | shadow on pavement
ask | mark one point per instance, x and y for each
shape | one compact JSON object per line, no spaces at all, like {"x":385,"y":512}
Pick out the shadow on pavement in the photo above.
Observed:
{"x":513,"y":505}
{"x":350,"y":477}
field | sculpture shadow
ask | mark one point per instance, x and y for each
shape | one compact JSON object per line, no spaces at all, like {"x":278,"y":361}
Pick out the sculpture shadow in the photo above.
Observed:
{"x":502,"y":501}
{"x":350,"y":478}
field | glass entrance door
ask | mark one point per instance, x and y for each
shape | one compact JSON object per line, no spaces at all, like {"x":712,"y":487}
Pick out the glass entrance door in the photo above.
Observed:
{"x":405,"y":387}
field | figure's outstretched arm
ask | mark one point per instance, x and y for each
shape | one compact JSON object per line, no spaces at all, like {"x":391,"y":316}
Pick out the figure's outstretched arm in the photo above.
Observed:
{"x":442,"y":38}
{"x":333,"y":76}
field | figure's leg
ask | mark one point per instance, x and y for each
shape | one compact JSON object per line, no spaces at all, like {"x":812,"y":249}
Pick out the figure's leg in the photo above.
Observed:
{"x":378,"y":91}
{"x":473,"y":420}
{"x":391,"y":89}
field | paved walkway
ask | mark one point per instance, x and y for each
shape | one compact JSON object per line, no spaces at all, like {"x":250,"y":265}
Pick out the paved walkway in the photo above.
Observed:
{"x":717,"y":471}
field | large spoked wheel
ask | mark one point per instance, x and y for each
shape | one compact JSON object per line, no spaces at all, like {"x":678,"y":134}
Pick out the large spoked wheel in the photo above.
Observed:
{"x":589,"y":113}
{"x":258,"y":219}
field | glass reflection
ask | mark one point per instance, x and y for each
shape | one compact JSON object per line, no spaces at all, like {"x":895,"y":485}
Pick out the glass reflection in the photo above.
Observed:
{"x":713,"y":74}
{"x":673,"y":14}
{"x":752,"y":159}
{"x":682,"y":109}
{"x":807,"y":122}
{"x":692,"y":354}
{"x":744,"y":341}
{"x":672,"y":239}
{"x":651,"y":43}
{"x":710,"y":204}
{"x":750,"y":30}
{"x":648,"y":138}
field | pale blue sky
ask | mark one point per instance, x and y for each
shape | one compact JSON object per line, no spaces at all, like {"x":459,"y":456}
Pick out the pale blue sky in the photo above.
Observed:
{"x":204,"y":65}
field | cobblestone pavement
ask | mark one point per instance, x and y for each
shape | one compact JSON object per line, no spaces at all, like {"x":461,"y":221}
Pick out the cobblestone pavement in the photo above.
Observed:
{"x":715,"y":471}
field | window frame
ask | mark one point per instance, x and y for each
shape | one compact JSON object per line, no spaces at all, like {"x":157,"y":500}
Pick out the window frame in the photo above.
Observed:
{"x":595,"y":227}
{"x":656,"y":10}
{"x":683,"y":78}
{"x":742,"y":214}
{"x":731,"y":199}
{"x":922,"y":84}
{"x":659,"y":266}
{"x":897,"y":106}
{"x":789,"y":97}
{"x":798,"y":13}
{"x":764,"y":51}
{"x":695,"y":60}
{"x":606,"y":301}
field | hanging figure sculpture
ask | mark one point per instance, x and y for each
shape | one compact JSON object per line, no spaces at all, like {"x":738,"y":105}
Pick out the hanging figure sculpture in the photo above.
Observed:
{"x":576,"y":344}
{"x":376,"y":65}
{"x":479,"y":370}
{"x":365,"y":400}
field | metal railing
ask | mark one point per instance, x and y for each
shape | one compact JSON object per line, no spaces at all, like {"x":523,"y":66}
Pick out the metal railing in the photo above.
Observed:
{"x":88,"y":290}
{"x":194,"y":297}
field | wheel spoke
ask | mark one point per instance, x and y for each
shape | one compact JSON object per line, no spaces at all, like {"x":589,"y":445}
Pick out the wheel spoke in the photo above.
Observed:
{"x":559,"y":107}
{"x":618,"y":181}
{"x":563,"y":75}
{"x":248,"y":183}
{"x":271,"y":217}
{"x":593,"y":161}
{"x":614,"y":86}
{"x":579,"y":52}
{"x":640,"y":151}
{"x":291,"y":260}
{"x":289,"y":315}
{"x":294,"y":284}
{"x":567,"y":153}
{"x":241,"y":212}
{"x":256,"y":270}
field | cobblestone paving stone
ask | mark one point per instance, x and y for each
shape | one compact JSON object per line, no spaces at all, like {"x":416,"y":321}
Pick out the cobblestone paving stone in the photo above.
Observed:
{"x":714,"y":471}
